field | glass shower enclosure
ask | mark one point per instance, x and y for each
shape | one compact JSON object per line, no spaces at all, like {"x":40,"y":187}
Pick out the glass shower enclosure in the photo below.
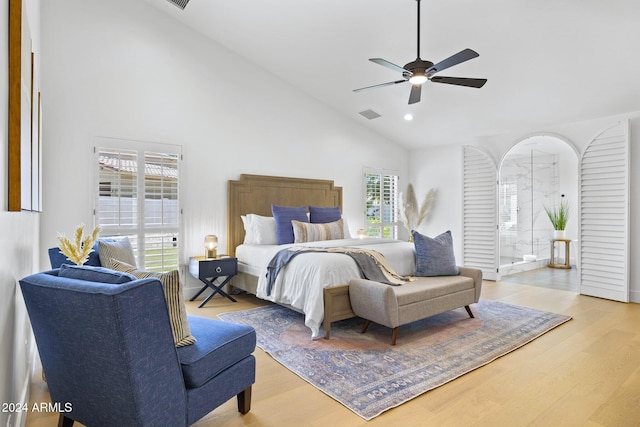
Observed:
{"x":528,"y":181}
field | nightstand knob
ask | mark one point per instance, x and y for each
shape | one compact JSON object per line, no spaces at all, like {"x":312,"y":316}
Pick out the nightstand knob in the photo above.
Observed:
{"x":218,"y":269}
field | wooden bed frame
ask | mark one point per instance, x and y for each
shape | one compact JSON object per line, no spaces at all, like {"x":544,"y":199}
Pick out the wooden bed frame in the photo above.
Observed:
{"x":255,"y":194}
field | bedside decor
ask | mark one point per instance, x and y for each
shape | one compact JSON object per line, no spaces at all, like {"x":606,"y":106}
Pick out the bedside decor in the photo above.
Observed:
{"x":409,"y":214}
{"x":78,"y":251}
{"x":210,"y":246}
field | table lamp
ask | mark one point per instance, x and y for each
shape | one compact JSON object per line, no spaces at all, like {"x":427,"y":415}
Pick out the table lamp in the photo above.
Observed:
{"x":210,"y":246}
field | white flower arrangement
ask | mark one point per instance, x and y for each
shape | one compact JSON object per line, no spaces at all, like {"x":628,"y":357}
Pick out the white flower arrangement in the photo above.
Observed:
{"x":78,"y":251}
{"x":410,"y":216}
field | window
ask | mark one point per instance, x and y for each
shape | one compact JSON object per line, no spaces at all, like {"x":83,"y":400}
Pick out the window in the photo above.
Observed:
{"x":137,"y":197}
{"x":381,"y":204}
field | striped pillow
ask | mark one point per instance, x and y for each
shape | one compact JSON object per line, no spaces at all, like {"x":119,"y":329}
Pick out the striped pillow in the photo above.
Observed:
{"x":172,"y":293}
{"x":307,"y":232}
{"x":115,"y":249}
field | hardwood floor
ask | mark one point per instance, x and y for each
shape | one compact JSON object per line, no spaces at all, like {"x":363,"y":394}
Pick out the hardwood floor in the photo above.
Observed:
{"x":583,"y":373}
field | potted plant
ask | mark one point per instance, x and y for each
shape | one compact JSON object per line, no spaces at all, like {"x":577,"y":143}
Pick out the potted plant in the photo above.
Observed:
{"x":558,"y":217}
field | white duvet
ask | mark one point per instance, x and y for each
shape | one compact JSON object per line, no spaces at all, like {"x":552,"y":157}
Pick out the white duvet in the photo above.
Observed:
{"x":301,"y":282}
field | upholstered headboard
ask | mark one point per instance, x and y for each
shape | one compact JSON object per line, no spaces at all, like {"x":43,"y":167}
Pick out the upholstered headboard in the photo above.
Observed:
{"x":256,"y":193}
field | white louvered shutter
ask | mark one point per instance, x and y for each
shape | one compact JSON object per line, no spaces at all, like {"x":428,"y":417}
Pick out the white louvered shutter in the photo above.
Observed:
{"x":479,"y":212}
{"x":137,"y":197}
{"x":381,"y":203}
{"x":604,"y":215}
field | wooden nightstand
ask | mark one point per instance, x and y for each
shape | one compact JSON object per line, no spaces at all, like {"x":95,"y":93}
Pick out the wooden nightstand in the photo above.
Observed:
{"x":210,"y":270}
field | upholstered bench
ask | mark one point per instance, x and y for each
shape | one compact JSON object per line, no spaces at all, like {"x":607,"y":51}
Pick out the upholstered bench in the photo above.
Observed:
{"x":394,"y":306}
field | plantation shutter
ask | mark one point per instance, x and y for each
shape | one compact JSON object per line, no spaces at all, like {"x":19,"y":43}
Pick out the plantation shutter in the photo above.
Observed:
{"x":381,"y":203}
{"x":161,"y":211}
{"x":479,"y":212}
{"x":137,"y":197}
{"x":604,"y":215}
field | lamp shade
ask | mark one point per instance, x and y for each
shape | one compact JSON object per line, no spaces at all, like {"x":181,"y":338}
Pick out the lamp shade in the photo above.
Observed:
{"x":210,"y":246}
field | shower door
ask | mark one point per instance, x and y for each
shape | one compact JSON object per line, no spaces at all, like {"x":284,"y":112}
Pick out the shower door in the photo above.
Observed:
{"x":528,"y":182}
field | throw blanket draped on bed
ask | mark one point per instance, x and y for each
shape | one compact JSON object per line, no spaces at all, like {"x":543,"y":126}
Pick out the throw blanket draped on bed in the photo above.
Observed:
{"x":372,"y":264}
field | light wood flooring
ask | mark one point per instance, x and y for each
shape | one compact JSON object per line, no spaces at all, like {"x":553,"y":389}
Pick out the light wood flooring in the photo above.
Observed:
{"x":583,"y":373}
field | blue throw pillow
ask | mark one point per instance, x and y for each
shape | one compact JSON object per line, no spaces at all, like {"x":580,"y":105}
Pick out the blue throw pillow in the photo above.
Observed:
{"x":323,"y":215}
{"x":94,"y":274}
{"x":283,"y":216}
{"x":434,"y":256}
{"x":57,"y":258}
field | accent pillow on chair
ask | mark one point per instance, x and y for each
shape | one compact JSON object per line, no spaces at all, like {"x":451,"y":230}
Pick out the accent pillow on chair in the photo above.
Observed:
{"x":116,"y":249}
{"x":173,"y":294}
{"x":434,"y":256}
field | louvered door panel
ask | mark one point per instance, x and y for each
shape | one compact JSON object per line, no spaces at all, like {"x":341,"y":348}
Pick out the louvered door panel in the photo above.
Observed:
{"x":604,"y":215}
{"x":480,"y":220}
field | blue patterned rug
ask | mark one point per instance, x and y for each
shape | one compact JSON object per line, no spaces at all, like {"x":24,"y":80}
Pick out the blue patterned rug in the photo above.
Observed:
{"x":369,"y":376}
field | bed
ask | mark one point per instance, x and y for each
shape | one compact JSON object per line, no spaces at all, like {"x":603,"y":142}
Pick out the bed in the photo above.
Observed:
{"x":314,"y":283}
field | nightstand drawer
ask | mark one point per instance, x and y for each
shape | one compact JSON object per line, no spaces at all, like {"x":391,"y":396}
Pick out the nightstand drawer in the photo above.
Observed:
{"x":207,"y":268}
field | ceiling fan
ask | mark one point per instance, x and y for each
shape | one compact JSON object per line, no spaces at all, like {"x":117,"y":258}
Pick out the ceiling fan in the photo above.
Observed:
{"x":419,"y":71}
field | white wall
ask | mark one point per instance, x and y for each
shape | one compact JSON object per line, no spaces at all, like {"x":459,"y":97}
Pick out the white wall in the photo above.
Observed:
{"x":124,"y":69}
{"x":441,"y":167}
{"x":18,"y":258}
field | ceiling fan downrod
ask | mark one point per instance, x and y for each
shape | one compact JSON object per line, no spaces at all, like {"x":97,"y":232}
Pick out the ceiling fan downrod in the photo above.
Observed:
{"x":418,"y":49}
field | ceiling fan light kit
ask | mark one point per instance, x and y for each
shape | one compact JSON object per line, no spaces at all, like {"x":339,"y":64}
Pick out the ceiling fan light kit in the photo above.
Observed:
{"x":419,"y":71}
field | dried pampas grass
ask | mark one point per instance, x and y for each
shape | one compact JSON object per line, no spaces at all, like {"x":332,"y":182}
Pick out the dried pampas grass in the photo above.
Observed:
{"x":78,"y":251}
{"x":410,"y":215}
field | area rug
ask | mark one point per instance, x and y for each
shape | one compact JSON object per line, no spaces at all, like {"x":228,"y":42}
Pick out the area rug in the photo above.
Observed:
{"x":368,"y":375}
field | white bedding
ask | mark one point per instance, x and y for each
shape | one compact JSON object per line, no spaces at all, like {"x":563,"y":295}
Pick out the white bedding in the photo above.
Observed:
{"x":300,"y":283}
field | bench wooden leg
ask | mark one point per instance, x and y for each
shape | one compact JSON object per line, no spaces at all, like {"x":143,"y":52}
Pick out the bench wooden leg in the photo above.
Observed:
{"x":469,"y":311}
{"x":244,"y":400}
{"x":365,"y":326}
{"x":394,"y":335}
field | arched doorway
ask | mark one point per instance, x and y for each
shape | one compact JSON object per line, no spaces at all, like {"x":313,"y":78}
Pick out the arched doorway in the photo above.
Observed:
{"x":538,"y":171}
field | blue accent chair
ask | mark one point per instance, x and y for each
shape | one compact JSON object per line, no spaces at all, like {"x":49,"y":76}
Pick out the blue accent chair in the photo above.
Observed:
{"x":110,"y":359}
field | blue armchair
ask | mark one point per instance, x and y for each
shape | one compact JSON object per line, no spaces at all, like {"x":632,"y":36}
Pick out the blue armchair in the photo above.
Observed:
{"x":110,"y":358}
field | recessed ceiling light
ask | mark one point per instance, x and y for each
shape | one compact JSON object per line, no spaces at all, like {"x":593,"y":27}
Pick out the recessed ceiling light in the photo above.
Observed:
{"x":408,"y":117}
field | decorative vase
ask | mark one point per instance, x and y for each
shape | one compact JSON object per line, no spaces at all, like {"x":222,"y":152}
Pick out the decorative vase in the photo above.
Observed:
{"x":559,"y":234}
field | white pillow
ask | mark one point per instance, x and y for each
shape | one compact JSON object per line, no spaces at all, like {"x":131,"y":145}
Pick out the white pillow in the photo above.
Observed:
{"x":259,"y":230}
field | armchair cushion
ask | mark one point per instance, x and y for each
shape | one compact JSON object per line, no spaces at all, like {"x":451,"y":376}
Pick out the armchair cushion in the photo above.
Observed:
{"x":172,"y":293}
{"x":94,"y":274}
{"x":218,"y":346}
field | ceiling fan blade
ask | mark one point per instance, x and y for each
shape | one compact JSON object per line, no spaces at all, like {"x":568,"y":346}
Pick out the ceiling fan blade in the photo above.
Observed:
{"x":388,"y":64}
{"x":414,"y":96}
{"x":456,"y":59}
{"x":380,"y":85}
{"x":460,"y":81}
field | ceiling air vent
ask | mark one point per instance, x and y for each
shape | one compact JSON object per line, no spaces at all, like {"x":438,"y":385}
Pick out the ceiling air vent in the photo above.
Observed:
{"x":369,"y":114}
{"x":180,"y":3}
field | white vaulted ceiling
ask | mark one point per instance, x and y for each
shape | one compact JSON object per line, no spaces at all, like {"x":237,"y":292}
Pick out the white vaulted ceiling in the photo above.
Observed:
{"x":546,"y":61}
